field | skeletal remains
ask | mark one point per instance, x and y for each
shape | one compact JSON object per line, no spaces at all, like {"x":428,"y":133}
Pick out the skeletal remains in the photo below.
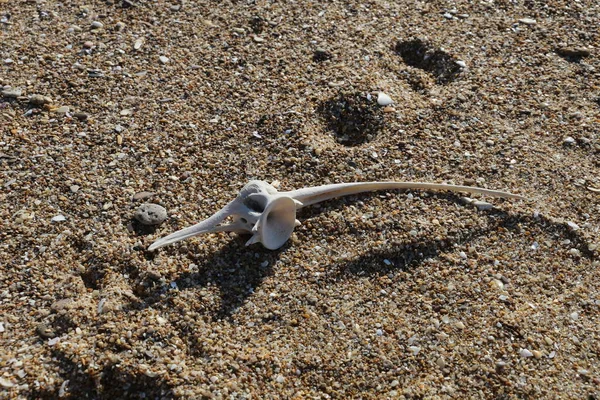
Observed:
{"x":270,"y":216}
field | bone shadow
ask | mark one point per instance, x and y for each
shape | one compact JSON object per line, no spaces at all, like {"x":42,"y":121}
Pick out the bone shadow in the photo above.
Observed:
{"x":237,"y":272}
{"x":235,"y":269}
{"x":403,"y":257}
{"x":111,"y":382}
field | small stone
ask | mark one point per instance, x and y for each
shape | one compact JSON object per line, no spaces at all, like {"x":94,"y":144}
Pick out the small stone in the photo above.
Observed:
{"x":142,"y":196}
{"x":138,"y":44}
{"x":74,"y":188}
{"x":573,"y":52}
{"x":461,"y":64}
{"x":414,"y":350}
{"x":321,"y":55}
{"x":44,"y":331}
{"x":573,"y":226}
{"x":59,"y":218}
{"x":39,"y":100}
{"x":574,"y":252}
{"x":525,"y":353}
{"x":12,"y":93}
{"x":81,"y":116}
{"x":62,"y":110}
{"x":88,"y":44}
{"x":482,"y":205}
{"x":97,"y":25}
{"x":125,"y":112}
{"x":389,"y":109}
{"x":537,"y":354}
{"x":459,"y":325}
{"x":528,"y":21}
{"x":441,"y":362}
{"x":280,"y":379}
{"x":151,"y":214}
{"x":383,"y":99}
{"x":120,"y":26}
{"x":163,"y":59}
{"x":257,"y":39}
{"x":569,"y":140}
{"x":5,"y":383}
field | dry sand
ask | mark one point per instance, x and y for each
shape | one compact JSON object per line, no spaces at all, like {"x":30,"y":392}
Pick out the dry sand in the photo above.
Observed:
{"x":386,"y":295}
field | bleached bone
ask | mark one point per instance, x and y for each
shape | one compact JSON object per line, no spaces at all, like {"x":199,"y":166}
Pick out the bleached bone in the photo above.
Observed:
{"x":270,"y":216}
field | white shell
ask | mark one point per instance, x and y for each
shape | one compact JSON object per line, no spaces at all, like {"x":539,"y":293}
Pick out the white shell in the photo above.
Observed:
{"x":383,"y":99}
{"x":270,"y":216}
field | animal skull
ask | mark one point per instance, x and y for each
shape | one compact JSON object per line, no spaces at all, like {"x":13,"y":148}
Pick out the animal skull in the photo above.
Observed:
{"x":270,"y":216}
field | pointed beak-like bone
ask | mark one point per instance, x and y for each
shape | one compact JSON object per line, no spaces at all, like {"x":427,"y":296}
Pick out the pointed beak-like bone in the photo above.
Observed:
{"x":209,"y":225}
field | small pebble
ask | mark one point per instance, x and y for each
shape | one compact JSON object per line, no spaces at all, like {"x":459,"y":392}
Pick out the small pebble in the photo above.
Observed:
{"x":573,"y":226}
{"x":528,"y":21}
{"x":151,"y":214}
{"x":74,"y":188}
{"x":97,"y":25}
{"x":383,"y":99}
{"x":59,"y":218}
{"x":569,"y":140}
{"x":5,"y":383}
{"x":62,"y":110}
{"x":81,"y":116}
{"x":138,"y":44}
{"x":525,"y":353}
{"x":461,"y":64}
{"x":39,"y":100}
{"x":142,"y":196}
{"x":44,"y":331}
{"x":12,"y":93}
{"x":574,"y":252}
{"x":573,"y":51}
{"x":163,"y":59}
{"x":482,"y":205}
{"x":88,"y":44}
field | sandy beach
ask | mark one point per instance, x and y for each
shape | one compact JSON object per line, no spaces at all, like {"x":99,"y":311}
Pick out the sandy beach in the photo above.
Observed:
{"x":110,"y":106}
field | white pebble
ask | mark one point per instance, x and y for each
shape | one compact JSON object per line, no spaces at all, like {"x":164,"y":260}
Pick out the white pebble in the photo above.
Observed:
{"x":101,"y":306}
{"x":569,"y":140}
{"x":1,"y":327}
{"x":574,"y":316}
{"x":387,"y":262}
{"x":463,"y":255}
{"x":97,"y":25}
{"x":574,"y":252}
{"x":482,"y":205}
{"x":414,"y":350}
{"x":573,"y":225}
{"x":59,"y":218}
{"x":163,"y":59}
{"x":383,"y":99}
{"x":528,"y":21}
{"x":525,"y":353}
{"x":462,"y":64}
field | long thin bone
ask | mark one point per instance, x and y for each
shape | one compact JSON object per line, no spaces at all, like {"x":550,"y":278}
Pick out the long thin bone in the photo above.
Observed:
{"x":270,"y":216}
{"x":308,"y":196}
{"x":209,"y":225}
